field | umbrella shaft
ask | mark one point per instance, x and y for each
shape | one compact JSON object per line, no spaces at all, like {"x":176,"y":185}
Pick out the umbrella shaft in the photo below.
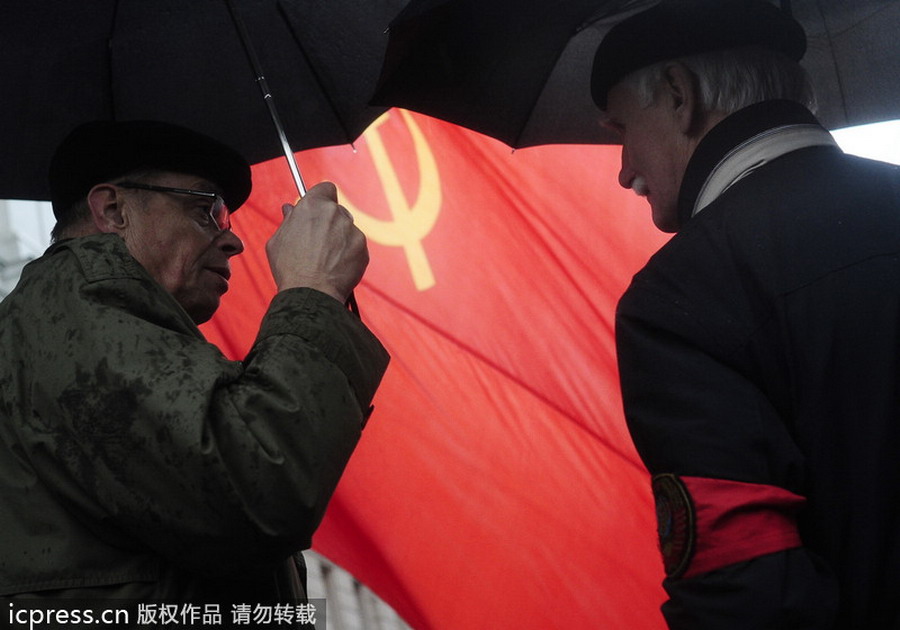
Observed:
{"x":273,"y":113}
{"x":267,"y":96}
{"x":285,"y":144}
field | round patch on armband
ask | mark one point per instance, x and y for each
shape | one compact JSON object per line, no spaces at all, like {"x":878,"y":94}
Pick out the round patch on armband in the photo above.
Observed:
{"x":675,"y":523}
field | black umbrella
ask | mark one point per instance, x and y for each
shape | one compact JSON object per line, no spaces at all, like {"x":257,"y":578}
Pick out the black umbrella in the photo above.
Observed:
{"x":183,"y":61}
{"x":519,"y":70}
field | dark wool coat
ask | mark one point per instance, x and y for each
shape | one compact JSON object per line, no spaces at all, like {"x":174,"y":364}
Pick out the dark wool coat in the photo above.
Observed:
{"x":761,"y":345}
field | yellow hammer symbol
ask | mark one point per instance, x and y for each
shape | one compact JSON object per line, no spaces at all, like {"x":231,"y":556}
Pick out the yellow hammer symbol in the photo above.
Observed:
{"x":410,"y":224}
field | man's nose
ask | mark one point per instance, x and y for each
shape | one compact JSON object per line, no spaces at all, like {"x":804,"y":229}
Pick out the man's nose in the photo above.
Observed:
{"x":626,"y":175}
{"x":230,"y":243}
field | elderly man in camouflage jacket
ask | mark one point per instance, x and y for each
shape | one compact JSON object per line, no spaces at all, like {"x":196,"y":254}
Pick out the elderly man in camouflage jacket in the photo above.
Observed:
{"x":137,"y":462}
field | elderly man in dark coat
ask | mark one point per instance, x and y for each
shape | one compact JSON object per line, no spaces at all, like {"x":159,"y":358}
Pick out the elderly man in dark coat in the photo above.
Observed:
{"x":759,"y":350}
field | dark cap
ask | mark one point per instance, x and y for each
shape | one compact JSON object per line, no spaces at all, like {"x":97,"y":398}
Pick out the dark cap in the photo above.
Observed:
{"x":97,"y":152}
{"x":679,"y":28}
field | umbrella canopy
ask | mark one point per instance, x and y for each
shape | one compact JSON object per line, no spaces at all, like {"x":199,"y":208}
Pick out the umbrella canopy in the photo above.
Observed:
{"x":519,"y":70}
{"x":65,"y":63}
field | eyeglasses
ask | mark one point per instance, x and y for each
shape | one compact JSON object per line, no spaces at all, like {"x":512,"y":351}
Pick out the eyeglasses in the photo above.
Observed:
{"x":218,"y":212}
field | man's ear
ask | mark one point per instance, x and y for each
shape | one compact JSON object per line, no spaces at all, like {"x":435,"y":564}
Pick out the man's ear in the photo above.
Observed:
{"x":681,"y":88}
{"x":105,"y":202}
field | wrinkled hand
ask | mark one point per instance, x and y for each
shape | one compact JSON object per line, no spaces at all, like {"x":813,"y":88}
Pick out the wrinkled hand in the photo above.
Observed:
{"x":317,"y":245}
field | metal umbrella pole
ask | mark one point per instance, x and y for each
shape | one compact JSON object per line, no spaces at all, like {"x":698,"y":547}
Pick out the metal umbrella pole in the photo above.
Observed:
{"x":267,"y":96}
{"x":273,"y":113}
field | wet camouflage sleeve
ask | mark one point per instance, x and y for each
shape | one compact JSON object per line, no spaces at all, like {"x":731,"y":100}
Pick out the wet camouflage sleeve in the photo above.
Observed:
{"x":133,"y":419}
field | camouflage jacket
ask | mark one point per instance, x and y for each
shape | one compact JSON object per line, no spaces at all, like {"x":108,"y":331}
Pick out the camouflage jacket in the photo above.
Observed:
{"x":136,"y":461}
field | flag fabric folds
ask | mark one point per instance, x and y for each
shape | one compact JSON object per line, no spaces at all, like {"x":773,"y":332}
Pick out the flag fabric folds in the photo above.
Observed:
{"x":495,"y":485}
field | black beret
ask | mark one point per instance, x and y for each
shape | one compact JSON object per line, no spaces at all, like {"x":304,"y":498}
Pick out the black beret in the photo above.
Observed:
{"x":97,"y":152}
{"x":679,"y":28}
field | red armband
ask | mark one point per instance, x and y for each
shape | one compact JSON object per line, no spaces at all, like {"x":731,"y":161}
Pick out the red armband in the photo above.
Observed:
{"x":706,"y":524}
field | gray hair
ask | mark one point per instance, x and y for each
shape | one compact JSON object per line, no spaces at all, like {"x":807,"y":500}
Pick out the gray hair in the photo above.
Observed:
{"x":729,"y":80}
{"x":79,"y":213}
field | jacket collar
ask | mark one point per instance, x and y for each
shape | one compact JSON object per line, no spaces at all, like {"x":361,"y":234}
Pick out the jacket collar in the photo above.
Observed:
{"x":742,"y":142}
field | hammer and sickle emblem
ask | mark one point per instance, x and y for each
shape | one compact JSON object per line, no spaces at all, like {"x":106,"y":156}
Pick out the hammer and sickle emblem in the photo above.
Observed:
{"x":411,"y":223}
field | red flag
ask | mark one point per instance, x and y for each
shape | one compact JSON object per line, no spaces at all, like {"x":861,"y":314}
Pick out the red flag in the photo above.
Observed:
{"x":495,"y":485}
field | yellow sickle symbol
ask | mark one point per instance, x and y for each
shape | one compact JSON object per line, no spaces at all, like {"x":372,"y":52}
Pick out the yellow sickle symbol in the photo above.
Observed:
{"x":410,"y":224}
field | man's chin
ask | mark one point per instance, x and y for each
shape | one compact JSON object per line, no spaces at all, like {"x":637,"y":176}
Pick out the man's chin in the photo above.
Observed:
{"x":201,"y":313}
{"x":664,"y":220}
